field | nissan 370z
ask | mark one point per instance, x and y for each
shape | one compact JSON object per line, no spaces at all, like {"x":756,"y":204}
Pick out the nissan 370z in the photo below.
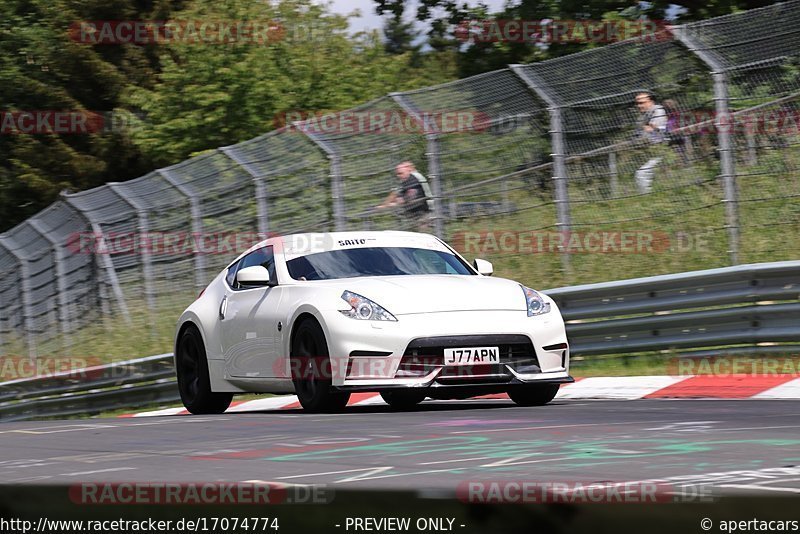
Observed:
{"x":398,"y":313}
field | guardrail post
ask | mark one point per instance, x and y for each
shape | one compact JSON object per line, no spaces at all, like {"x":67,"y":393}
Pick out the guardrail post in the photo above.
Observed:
{"x":25,"y":291}
{"x":104,"y":258}
{"x":261,"y":193}
{"x":724,"y":123}
{"x":559,"y":154}
{"x":337,"y":186}
{"x":61,"y":280}
{"x":197,"y":225}
{"x":432,"y":155}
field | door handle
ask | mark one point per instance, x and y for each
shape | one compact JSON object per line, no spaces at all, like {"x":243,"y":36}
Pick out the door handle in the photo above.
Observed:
{"x":223,"y":307}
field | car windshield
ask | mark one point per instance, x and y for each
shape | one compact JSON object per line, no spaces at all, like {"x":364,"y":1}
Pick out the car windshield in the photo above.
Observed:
{"x":375,"y":261}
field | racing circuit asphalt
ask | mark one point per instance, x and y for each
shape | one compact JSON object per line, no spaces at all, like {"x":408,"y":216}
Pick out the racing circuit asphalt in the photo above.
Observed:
{"x":738,"y":445}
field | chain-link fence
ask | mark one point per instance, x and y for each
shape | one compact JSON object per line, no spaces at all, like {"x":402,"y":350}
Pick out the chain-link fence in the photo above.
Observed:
{"x":544,"y":169}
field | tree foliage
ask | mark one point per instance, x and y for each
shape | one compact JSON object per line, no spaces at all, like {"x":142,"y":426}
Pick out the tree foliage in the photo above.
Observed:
{"x":444,"y":16}
{"x":176,"y":98}
{"x":43,"y":69}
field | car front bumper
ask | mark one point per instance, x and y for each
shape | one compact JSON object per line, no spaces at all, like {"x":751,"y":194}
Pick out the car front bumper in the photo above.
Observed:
{"x":373,"y":355}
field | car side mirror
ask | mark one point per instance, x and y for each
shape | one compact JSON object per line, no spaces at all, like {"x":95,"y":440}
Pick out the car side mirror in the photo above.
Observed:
{"x":482,"y":266}
{"x":257,"y":275}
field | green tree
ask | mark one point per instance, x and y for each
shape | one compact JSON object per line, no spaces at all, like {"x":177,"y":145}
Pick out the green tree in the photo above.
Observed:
{"x":42,"y":68}
{"x":208,"y":96}
{"x":400,"y":35}
{"x":445,"y":16}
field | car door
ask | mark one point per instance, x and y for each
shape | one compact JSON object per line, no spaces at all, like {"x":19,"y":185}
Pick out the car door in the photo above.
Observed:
{"x":249,"y":321}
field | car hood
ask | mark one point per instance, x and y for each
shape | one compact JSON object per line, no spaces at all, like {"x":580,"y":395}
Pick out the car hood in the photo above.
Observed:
{"x":437,"y":293}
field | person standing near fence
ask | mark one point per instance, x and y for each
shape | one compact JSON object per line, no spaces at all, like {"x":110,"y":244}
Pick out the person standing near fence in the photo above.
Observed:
{"x":653,"y":128}
{"x":413,"y":195}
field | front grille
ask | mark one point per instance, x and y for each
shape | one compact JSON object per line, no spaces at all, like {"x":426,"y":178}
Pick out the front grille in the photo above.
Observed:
{"x":424,"y":355}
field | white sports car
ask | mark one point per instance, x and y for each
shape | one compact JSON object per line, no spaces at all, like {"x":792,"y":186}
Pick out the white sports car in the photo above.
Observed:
{"x":400,"y":313}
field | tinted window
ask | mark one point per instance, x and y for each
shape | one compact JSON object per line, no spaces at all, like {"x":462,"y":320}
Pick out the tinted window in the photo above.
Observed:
{"x":374,"y":261}
{"x":231,"y":276}
{"x":263,"y":256}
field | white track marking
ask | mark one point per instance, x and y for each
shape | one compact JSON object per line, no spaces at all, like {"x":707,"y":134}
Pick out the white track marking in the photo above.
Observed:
{"x":58,"y":429}
{"x":365,"y":477}
{"x":620,"y":387}
{"x":760,"y":488}
{"x":454,"y":461}
{"x":789,"y":390}
{"x":486,"y":431}
{"x":269,"y":403}
{"x":376,"y":400}
{"x":371,"y":469}
{"x":514,"y":461}
{"x":98,"y":471}
{"x":165,"y":411}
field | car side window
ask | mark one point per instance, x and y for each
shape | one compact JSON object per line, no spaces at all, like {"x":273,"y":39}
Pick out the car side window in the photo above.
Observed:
{"x":263,"y":256}
{"x":231,"y":276}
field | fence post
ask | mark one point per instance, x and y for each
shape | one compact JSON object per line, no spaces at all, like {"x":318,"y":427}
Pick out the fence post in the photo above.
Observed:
{"x":261,"y":193}
{"x":752,"y":155}
{"x":559,"y":154}
{"x":723,"y":121}
{"x":61,"y":280}
{"x":612,"y":169}
{"x":25,"y":292}
{"x":104,"y":258}
{"x":143,"y":225}
{"x":337,"y":186}
{"x":197,"y":225}
{"x":432,"y":155}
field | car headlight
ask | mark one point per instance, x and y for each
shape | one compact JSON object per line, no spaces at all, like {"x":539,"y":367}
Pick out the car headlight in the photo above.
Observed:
{"x":536,"y":304}
{"x":364,"y":309}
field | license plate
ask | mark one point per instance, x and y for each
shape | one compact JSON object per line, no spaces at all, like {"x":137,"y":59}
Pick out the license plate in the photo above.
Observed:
{"x":472,"y":356}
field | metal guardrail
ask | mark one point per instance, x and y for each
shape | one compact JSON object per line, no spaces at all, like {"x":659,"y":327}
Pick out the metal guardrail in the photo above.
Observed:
{"x":735,"y":310}
{"x":92,"y":390}
{"x":744,"y":305}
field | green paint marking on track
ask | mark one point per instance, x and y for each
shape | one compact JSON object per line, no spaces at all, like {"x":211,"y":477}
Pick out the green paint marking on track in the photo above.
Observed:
{"x":588,"y":453}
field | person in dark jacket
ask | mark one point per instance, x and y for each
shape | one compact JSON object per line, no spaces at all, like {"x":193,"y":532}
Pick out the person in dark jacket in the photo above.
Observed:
{"x":412,"y":195}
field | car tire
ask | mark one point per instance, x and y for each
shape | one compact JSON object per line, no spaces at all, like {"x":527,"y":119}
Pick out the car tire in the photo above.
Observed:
{"x":194,"y":382}
{"x":403,"y":399}
{"x":537,"y":395}
{"x":312,"y":374}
